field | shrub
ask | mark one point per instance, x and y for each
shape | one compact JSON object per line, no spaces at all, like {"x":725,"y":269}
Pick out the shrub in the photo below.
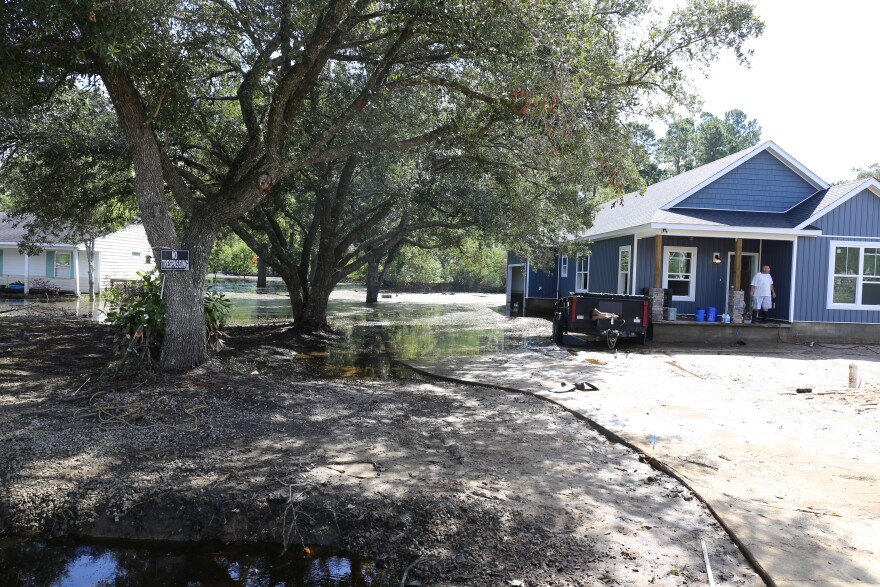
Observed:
{"x":139,"y":315}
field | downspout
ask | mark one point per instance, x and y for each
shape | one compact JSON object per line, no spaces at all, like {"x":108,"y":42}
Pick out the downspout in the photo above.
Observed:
{"x":27,"y":273}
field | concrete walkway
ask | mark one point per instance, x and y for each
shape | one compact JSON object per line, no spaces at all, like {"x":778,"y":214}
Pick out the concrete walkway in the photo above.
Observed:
{"x":794,"y":477}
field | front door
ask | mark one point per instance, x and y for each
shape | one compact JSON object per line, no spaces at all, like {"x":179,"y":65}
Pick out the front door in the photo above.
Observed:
{"x":749,"y":265}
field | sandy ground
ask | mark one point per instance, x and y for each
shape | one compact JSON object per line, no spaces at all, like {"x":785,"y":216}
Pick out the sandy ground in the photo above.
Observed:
{"x":489,"y":487}
{"x":793,"y":474}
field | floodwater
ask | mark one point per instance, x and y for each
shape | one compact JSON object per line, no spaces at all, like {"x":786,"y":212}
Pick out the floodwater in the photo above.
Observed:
{"x":75,"y":565}
{"x":368,"y":341}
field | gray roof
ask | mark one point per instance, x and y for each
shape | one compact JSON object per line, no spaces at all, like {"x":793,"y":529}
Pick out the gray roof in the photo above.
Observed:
{"x":9,"y":233}
{"x":637,"y":210}
{"x":642,"y":209}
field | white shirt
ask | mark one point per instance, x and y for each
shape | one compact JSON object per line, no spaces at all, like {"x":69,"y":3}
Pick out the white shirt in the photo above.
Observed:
{"x":762,"y":283}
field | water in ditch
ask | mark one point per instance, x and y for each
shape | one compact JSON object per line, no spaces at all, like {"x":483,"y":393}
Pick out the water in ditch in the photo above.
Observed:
{"x":38,"y":563}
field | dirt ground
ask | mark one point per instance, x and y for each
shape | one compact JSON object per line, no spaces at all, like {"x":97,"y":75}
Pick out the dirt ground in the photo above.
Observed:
{"x":488,"y":487}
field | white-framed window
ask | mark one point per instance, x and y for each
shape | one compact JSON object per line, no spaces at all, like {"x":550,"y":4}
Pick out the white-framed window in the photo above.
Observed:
{"x":582,"y":273}
{"x":62,"y":265}
{"x":854,"y":276}
{"x":679,"y":272}
{"x":563,"y":266}
{"x":623,"y":269}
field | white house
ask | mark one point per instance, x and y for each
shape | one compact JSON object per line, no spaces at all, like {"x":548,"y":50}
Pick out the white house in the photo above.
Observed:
{"x":119,"y":255}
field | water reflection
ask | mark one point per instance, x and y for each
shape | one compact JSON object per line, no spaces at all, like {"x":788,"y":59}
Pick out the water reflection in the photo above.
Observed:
{"x":40,"y":563}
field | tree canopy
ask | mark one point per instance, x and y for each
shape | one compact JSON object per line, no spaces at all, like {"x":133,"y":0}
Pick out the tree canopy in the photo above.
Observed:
{"x":222,"y":103}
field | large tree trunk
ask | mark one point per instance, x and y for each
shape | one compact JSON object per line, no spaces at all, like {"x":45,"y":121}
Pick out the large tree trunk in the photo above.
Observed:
{"x":261,"y":272}
{"x":373,"y":281}
{"x":314,"y":314}
{"x":184,"y":345}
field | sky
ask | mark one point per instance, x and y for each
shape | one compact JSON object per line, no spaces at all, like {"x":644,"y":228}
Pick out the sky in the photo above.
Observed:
{"x":813,"y":83}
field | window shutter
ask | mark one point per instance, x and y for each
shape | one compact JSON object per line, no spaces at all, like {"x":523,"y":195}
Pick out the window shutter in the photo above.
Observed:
{"x":50,"y":264}
{"x":1,"y":261}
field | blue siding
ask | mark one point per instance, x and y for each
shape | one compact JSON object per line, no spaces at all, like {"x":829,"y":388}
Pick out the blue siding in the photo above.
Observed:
{"x":566,"y":284}
{"x":645,"y":265}
{"x":761,"y":184}
{"x":777,"y":254}
{"x":856,"y":218}
{"x":860,"y":216}
{"x":603,"y":263}
{"x":541,"y":283}
{"x":645,"y":260}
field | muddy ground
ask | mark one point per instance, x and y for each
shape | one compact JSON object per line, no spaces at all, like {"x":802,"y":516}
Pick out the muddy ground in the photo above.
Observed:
{"x":488,"y":487}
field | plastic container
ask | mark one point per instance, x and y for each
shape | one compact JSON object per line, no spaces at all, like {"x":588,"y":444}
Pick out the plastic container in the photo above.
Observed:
{"x":711,"y":314}
{"x":700,"y":315}
{"x":670,"y":314}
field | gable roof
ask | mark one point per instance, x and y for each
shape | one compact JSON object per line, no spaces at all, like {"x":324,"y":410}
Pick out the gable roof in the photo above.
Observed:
{"x":655,"y":206}
{"x":13,"y":232}
{"x":824,"y":202}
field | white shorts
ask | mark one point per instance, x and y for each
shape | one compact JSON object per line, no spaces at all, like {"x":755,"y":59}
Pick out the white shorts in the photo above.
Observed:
{"x":762,"y":302}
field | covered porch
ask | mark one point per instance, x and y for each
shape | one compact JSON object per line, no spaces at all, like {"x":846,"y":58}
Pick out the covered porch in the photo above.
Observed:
{"x":692,"y":270}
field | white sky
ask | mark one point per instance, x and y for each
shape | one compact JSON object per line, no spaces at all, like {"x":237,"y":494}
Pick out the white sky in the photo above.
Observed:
{"x":813,"y":83}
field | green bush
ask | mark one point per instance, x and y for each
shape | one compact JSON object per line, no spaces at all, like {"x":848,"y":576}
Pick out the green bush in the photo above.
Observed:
{"x":138,"y":314}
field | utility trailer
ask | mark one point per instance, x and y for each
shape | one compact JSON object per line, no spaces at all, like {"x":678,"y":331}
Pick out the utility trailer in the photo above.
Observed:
{"x":609,"y":316}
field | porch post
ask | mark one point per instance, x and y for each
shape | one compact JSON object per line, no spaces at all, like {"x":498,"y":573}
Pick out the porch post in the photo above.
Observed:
{"x":27,"y":272}
{"x":74,"y":269}
{"x":658,"y":259}
{"x":737,"y":267}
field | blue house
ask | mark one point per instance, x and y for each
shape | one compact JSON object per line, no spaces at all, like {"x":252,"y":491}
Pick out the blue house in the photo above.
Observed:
{"x":703,"y":234}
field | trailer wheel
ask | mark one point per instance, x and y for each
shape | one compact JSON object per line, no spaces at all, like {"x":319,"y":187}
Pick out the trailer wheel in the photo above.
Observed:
{"x":611,"y":338}
{"x":557,"y":332}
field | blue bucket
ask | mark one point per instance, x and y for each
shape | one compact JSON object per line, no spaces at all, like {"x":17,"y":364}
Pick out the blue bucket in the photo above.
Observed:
{"x":711,"y":314}
{"x":700,"y":315}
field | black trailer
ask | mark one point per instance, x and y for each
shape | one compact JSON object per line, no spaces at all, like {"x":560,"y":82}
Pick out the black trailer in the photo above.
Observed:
{"x":610,"y":316}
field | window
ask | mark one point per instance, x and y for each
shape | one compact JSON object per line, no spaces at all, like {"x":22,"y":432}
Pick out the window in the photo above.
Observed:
{"x":623,"y":260}
{"x":855,"y":276}
{"x":679,"y":272}
{"x":582,"y":275}
{"x":62,"y":265}
{"x":563,"y":266}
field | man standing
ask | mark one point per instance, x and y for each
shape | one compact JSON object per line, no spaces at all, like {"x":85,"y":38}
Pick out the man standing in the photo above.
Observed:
{"x":762,"y":292}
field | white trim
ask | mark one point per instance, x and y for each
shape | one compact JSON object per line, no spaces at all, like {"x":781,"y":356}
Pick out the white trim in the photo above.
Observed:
{"x":843,"y":236}
{"x":27,"y":273}
{"x":74,"y":268}
{"x":829,"y":301}
{"x":869,"y":183}
{"x":698,"y":230}
{"x":577,"y":273}
{"x":701,"y":230}
{"x":647,"y":228}
{"x":633,"y":265}
{"x":771,"y":148}
{"x":693,"y":272}
{"x":620,"y":250}
{"x":792,"y":286}
{"x":527,"y":269}
{"x":730,"y":257}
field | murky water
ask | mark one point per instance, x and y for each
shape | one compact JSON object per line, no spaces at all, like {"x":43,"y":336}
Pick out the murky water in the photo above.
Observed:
{"x":42,"y":563}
